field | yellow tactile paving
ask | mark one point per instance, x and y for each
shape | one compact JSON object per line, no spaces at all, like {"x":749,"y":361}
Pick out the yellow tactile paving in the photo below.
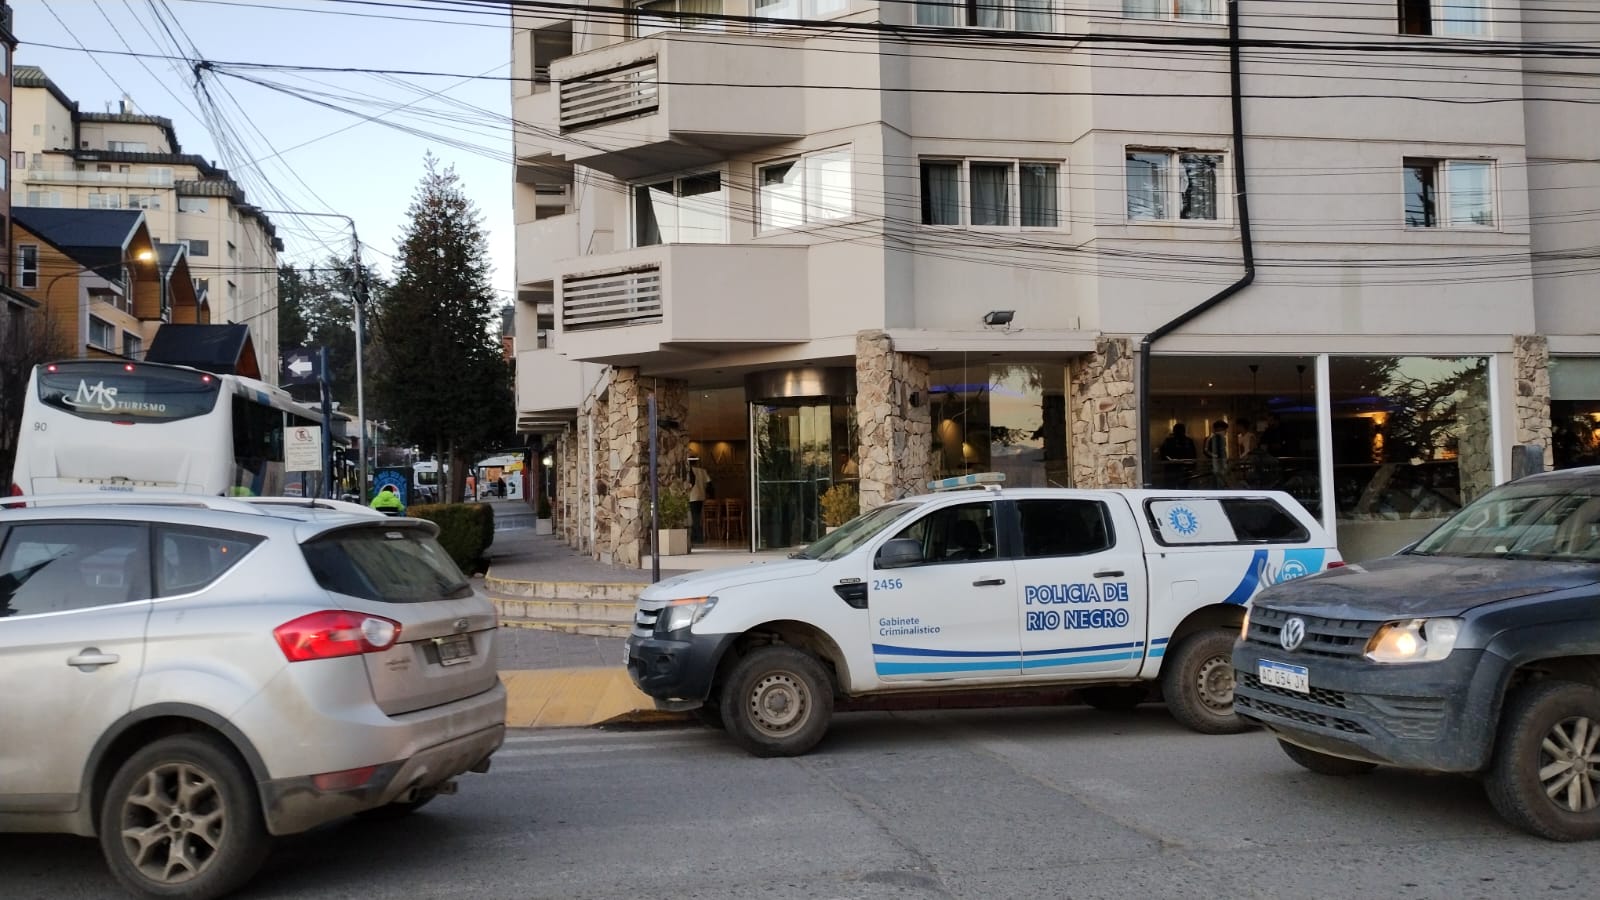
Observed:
{"x":566,"y":698}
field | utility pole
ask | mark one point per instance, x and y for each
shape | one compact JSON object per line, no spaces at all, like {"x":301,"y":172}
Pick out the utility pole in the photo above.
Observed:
{"x":358,"y":289}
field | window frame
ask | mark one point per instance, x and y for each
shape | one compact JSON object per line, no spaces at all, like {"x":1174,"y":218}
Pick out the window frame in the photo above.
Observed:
{"x":141,"y":545}
{"x":1433,"y":26}
{"x":997,"y":529}
{"x":765,"y":227}
{"x":1153,"y":524}
{"x":110,"y":346}
{"x":161,"y":531}
{"x":24,"y":270}
{"x":1173,"y":186}
{"x":1443,"y":220}
{"x":1022,"y":534}
{"x":676,"y":179}
{"x":1013,"y":192}
{"x":1173,"y":13}
{"x":679,"y":22}
{"x":966,"y":14}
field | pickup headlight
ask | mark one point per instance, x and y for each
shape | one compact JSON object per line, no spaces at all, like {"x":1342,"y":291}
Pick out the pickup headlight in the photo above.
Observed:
{"x":1244,"y":627}
{"x":681,"y":614}
{"x":1414,"y":640}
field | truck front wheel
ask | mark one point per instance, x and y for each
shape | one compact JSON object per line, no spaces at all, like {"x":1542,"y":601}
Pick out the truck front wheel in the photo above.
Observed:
{"x":1197,"y":681}
{"x":1547,"y":761}
{"x":777,"y":701}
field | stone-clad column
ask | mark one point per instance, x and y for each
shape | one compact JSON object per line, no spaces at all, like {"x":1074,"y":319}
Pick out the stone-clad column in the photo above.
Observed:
{"x":1531,"y":353}
{"x":1105,"y":417}
{"x":892,"y":420}
{"x":624,"y":453}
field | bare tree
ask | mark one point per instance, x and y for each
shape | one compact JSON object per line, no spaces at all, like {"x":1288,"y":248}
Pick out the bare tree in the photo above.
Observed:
{"x":27,"y":339}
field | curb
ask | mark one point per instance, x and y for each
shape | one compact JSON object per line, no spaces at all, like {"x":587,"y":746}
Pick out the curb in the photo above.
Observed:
{"x":578,"y":698}
{"x":564,"y":626}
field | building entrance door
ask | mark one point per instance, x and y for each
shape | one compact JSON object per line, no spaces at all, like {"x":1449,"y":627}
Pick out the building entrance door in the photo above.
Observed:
{"x":799,"y":449}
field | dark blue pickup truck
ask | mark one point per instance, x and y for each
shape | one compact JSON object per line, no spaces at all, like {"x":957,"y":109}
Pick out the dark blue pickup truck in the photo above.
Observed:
{"x":1476,"y":650}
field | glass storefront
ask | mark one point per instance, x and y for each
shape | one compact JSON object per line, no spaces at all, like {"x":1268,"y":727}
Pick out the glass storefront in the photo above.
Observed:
{"x":1001,"y":418}
{"x":1575,"y":411}
{"x":801,"y":449}
{"x":1412,"y":443}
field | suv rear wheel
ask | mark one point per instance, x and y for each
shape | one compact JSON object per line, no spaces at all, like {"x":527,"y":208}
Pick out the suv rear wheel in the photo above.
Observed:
{"x":1197,"y":682}
{"x":1547,"y":761}
{"x":181,"y":819}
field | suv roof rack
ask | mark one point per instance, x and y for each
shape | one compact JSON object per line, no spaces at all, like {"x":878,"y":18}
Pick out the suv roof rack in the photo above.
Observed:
{"x":86,"y":498}
{"x":313,"y":503}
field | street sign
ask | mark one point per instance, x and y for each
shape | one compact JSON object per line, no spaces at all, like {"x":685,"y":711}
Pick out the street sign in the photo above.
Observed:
{"x":302,"y":449}
{"x":299,"y":366}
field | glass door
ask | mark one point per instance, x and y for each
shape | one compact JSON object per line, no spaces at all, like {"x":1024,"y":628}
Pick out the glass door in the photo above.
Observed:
{"x":799,"y":450}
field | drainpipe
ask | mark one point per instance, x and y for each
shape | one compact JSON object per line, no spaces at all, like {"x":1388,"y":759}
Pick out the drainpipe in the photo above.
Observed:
{"x":1247,"y":246}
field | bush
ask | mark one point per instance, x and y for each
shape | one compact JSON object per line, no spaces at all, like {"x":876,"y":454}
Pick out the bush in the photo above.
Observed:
{"x":465,"y":530}
{"x":840,"y":504}
{"x":673,"y":509}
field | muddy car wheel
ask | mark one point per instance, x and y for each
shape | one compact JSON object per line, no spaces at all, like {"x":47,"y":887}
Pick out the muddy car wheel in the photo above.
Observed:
{"x":1197,"y":682}
{"x":1546,"y":773}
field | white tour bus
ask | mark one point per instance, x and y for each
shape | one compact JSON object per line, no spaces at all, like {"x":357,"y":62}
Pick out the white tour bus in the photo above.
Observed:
{"x":115,"y":425}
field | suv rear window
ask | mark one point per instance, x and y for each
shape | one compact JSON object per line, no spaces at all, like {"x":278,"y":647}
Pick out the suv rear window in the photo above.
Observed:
{"x":387,"y":564}
{"x":1210,"y":521}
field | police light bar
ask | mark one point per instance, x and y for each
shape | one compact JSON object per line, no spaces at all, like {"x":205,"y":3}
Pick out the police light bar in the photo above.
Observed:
{"x":980,"y":479}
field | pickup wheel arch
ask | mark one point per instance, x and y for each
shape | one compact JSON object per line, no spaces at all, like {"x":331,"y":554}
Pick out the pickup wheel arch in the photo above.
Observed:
{"x":785,"y":632}
{"x":1217,"y":615}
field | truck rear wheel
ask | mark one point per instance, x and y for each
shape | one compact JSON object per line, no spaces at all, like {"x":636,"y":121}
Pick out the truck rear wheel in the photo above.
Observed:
{"x":777,"y":701}
{"x":1547,"y":761}
{"x":1322,"y":763}
{"x":1197,"y":681}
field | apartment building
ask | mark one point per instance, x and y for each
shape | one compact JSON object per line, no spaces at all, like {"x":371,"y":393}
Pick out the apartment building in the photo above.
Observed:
{"x":878,"y":243}
{"x":65,"y":157}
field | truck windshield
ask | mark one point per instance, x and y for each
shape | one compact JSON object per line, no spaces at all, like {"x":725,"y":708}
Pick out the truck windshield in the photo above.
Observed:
{"x":854,"y":533}
{"x":1542,"y":519}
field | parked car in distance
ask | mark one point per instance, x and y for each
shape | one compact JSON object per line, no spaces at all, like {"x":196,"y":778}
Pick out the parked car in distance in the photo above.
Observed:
{"x":1476,"y":650}
{"x":204,"y":674}
{"x":1111,"y":592}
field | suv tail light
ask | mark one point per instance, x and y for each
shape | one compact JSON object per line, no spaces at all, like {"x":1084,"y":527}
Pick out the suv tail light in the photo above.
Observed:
{"x":335,"y":632}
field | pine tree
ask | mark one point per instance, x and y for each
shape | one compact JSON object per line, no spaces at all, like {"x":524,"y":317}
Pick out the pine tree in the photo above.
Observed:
{"x":438,"y":372}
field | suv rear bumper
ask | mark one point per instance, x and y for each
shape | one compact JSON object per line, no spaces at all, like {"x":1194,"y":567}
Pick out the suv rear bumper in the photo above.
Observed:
{"x":1435,"y":716}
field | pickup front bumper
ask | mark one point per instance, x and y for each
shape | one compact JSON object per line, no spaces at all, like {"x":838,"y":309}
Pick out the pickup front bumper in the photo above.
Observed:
{"x":1437,"y":716}
{"x":676,"y":669}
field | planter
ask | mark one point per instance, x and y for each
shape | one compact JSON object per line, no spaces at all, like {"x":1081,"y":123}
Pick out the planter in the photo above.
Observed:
{"x":672,"y":541}
{"x":545,"y":526}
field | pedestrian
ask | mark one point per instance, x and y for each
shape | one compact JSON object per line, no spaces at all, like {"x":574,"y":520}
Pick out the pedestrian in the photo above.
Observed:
{"x":1217,"y":453}
{"x":1245,"y":438}
{"x":847,"y":466}
{"x":699,"y":487}
{"x":1178,"y":453}
{"x":388,"y":502}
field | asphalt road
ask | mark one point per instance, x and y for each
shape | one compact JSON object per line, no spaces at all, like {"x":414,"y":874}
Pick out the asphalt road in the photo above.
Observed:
{"x":1062,"y":802}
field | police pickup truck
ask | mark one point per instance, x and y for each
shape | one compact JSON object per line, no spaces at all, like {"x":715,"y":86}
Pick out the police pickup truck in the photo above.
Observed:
{"x":976,"y":587}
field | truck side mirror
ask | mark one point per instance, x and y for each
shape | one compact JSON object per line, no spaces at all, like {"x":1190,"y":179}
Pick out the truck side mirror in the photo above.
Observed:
{"x":899,"y":553}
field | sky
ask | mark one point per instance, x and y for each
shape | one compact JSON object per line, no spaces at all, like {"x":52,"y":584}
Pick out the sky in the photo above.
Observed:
{"x":288,"y":152}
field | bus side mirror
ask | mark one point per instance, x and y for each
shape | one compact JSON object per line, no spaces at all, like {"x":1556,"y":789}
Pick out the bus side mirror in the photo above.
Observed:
{"x":899,"y":553}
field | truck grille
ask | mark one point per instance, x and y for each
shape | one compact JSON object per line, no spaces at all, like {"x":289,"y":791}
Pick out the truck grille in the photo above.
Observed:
{"x":1408,"y":718}
{"x":644,"y":621}
{"x":1319,"y":696}
{"x":1339,"y":638}
{"x":1305,"y":716}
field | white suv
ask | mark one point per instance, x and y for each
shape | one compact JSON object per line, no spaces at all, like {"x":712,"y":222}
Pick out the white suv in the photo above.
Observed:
{"x":202,"y":674}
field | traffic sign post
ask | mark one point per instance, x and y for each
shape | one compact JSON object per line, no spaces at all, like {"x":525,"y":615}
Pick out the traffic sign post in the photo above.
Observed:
{"x":327,"y":423}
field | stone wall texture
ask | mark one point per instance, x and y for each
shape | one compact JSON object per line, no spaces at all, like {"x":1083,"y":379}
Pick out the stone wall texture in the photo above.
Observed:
{"x":893,"y":421}
{"x":1531,"y":353}
{"x":1103,"y":405}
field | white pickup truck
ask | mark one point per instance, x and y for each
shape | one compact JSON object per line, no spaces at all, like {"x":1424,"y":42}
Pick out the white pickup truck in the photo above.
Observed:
{"x":968,"y":589}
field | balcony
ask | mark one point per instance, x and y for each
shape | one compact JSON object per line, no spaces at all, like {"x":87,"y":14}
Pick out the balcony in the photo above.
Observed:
{"x":681,"y":299}
{"x":677,"y":100}
{"x":535,"y":138}
{"x":159,"y":178}
{"x":551,"y":387}
{"x":542,"y":244}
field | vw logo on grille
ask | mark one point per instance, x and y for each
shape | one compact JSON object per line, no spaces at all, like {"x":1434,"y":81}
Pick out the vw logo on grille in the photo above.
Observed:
{"x":1294,"y":631}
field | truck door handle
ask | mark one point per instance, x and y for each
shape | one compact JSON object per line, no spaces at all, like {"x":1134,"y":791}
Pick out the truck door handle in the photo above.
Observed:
{"x":90,"y":658}
{"x":989,"y":582}
{"x":1109,"y":573}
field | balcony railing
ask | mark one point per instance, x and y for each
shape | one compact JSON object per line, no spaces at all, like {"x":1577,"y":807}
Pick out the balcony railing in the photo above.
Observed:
{"x":605,"y":96}
{"x":613,"y":300}
{"x":146,"y":178}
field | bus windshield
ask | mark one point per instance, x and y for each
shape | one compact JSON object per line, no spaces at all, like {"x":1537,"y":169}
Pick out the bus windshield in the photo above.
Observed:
{"x":115,"y":391}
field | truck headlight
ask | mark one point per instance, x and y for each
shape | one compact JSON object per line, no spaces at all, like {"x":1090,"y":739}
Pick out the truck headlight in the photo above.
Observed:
{"x":681,"y":614}
{"x":1414,"y":640}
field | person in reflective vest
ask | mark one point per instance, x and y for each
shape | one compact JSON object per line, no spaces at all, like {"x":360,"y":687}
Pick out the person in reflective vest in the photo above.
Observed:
{"x":388,"y":502}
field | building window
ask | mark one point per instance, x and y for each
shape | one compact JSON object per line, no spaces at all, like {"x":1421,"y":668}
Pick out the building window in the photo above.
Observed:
{"x":1453,"y":193}
{"x":233,"y":252}
{"x":1010,"y":15}
{"x":5,"y":175}
{"x":202,"y":286}
{"x":5,"y":123}
{"x":28,"y":266}
{"x":680,"y":15}
{"x":991,"y":193}
{"x":1172,"y":184}
{"x":1179,"y":10}
{"x":1575,"y":411}
{"x":1452,"y":18}
{"x":232,"y":290}
{"x":193,"y":205}
{"x":687,"y":210}
{"x":160,"y":175}
{"x":105,"y":201}
{"x":132,"y":346}
{"x":19,"y":160}
{"x":198,"y":248}
{"x":144,"y":201}
{"x":44,"y":198}
{"x":127,"y":146}
{"x":102,"y":334}
{"x":800,"y":9}
{"x":812,"y":188}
